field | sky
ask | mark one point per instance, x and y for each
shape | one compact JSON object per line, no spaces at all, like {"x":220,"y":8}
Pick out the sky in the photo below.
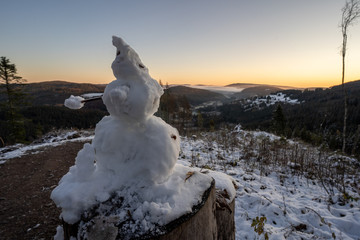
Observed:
{"x":279,"y":42}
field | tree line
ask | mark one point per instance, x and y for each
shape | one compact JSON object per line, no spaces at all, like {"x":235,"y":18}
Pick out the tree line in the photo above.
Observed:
{"x":22,"y":122}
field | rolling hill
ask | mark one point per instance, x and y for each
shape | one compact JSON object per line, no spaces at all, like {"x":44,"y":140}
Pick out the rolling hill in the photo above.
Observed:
{"x":55,"y":92}
{"x":318,"y":119}
{"x":260,"y":90}
{"x":196,"y":96}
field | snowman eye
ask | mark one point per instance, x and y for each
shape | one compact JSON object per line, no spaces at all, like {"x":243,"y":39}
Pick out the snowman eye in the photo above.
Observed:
{"x":141,"y":66}
{"x":117,"y":53}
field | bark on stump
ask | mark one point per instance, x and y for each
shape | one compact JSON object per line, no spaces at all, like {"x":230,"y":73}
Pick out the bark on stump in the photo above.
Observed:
{"x":207,"y":221}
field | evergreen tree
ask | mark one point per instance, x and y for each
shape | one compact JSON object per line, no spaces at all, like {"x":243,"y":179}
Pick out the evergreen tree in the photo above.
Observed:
{"x":14,"y":97}
{"x":167,"y":106}
{"x":279,"y":121}
{"x":200,"y":121}
{"x":185,"y":109}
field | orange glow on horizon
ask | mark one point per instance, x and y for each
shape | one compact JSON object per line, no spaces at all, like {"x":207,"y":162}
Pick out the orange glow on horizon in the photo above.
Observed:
{"x":296,"y":82}
{"x":297,"y":76}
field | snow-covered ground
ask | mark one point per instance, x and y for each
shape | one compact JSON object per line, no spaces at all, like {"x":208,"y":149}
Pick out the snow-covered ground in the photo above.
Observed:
{"x":288,"y":195}
{"x":294,"y":206}
{"x":214,"y":104}
{"x":270,"y":100}
{"x":275,"y":98}
{"x":50,"y":140}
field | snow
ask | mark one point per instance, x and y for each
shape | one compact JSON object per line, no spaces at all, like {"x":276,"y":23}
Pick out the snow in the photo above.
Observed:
{"x":295,"y":206}
{"x":151,"y":205}
{"x":208,"y":104}
{"x":275,"y":98}
{"x":91,"y":95}
{"x":50,"y":140}
{"x":224,"y":182}
{"x":272,"y":99}
{"x":34,"y":227}
{"x":149,"y":150}
{"x":74,"y":102}
{"x":134,"y":95}
{"x":165,"y":201}
{"x":59,"y":233}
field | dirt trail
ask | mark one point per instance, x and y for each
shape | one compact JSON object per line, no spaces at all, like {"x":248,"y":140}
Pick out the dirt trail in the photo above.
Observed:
{"x":26,"y":210}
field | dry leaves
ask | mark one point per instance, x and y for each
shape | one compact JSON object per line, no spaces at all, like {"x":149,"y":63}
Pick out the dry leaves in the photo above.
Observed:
{"x":189,"y":174}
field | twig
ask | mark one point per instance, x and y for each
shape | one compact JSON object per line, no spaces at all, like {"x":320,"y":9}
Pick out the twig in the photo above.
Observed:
{"x":2,"y":141}
{"x":321,"y":218}
{"x":323,"y":221}
{"x":284,"y":211}
{"x":91,"y":99}
{"x":266,"y":198}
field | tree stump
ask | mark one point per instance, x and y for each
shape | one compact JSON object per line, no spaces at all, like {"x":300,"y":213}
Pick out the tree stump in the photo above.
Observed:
{"x":208,"y":220}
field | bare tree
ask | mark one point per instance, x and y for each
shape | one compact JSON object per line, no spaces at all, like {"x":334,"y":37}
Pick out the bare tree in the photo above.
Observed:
{"x":350,"y":13}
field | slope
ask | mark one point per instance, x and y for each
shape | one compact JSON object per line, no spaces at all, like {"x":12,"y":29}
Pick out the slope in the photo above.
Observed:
{"x":196,"y":96}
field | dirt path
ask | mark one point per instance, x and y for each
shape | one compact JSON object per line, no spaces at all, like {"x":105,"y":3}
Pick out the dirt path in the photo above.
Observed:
{"x":26,"y":210}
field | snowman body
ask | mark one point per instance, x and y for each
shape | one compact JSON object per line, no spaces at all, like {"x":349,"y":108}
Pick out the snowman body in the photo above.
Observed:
{"x":134,"y":151}
{"x":132,"y":142}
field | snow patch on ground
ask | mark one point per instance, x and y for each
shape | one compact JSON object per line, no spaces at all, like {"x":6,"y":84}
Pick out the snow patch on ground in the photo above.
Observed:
{"x":269,"y":100}
{"x":49,"y":140}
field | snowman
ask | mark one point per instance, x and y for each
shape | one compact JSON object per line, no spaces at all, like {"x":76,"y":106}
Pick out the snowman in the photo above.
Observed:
{"x":131,"y":146}
{"x":132,"y":142}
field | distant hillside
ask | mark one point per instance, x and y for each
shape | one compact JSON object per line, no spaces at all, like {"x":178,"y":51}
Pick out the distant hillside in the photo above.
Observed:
{"x":261,"y":90}
{"x":55,"y":92}
{"x":196,"y":96}
{"x":248,"y":85}
{"x":318,"y":118}
{"x":242,"y":85}
{"x":245,"y":90}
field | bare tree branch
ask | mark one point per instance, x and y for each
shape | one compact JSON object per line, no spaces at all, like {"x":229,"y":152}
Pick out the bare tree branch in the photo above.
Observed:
{"x":350,"y":13}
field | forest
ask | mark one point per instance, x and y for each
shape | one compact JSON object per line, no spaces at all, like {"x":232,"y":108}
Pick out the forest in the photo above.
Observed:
{"x":318,"y":119}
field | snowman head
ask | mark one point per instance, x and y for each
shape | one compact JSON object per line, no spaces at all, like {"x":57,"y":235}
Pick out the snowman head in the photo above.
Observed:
{"x":127,"y":63}
{"x":134,"y":94}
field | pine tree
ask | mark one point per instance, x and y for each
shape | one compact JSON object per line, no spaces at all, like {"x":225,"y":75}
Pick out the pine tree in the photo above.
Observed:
{"x":14,"y":98}
{"x":279,"y":121}
{"x":200,"y":120}
{"x":168,"y":105}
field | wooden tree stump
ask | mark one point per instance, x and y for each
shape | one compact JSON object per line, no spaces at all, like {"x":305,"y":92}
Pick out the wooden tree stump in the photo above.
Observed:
{"x":207,"y":221}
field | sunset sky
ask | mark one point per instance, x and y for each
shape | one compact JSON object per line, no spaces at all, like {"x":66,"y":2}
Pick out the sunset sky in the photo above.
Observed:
{"x":281,"y":42}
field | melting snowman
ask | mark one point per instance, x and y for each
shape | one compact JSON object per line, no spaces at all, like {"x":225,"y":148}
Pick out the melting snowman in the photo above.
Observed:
{"x":132,"y":142}
{"x":130,"y":146}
